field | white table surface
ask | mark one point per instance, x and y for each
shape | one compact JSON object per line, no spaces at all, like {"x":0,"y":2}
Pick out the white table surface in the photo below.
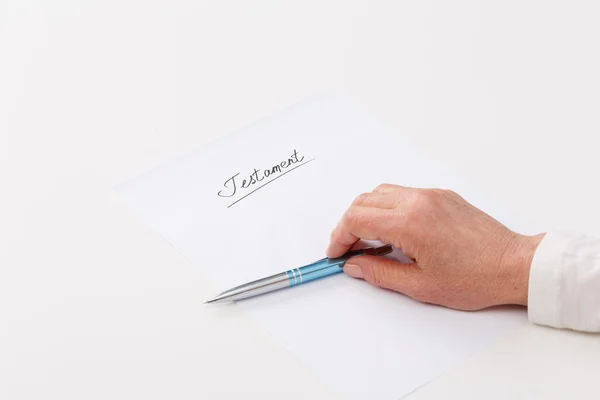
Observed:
{"x":93,"y":305}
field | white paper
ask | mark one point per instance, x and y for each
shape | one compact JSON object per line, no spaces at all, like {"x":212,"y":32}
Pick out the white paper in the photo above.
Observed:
{"x":367,"y":343}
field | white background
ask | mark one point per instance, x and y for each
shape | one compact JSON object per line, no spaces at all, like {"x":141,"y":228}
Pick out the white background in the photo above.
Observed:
{"x":94,"y":305}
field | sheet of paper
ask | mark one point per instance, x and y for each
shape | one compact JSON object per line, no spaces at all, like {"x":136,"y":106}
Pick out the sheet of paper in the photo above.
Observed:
{"x":264,"y":199}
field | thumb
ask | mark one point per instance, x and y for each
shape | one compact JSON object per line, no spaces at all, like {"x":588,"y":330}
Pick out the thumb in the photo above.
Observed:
{"x":386,"y":273}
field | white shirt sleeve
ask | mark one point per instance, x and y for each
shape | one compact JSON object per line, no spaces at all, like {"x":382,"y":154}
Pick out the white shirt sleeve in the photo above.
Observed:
{"x":564,"y":282}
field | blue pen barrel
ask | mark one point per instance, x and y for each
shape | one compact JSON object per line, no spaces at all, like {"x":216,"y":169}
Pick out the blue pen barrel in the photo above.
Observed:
{"x":319,"y":269}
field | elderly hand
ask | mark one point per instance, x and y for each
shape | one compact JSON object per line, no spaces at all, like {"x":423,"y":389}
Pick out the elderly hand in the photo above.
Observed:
{"x":463,"y":258}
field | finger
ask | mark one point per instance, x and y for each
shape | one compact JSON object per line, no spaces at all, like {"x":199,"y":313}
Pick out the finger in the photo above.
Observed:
{"x":359,"y":223}
{"x":377,"y":200}
{"x":388,"y":274}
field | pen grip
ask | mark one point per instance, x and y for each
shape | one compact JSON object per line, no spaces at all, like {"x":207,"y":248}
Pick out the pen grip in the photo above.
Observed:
{"x":314,"y":271}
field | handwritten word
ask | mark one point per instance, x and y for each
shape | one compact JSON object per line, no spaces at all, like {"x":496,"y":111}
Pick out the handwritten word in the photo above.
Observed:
{"x":235,"y":184}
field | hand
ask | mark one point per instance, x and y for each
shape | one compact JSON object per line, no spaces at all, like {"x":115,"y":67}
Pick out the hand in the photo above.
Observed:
{"x":463,"y":258}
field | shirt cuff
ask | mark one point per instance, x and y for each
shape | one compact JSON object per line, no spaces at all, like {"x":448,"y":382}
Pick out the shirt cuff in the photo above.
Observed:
{"x":545,"y":280}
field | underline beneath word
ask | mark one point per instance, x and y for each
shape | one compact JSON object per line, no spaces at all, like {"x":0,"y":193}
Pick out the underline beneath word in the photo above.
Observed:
{"x":272,"y":180}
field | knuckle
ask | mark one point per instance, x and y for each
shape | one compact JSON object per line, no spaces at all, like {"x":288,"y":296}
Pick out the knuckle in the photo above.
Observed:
{"x":352,"y":216}
{"x":450,"y":192}
{"x":416,"y":200}
{"x":446,"y":193}
{"x":412,"y":216}
{"x":426,"y":198}
{"x":431,"y":194}
{"x":362,"y":199}
{"x":385,"y":187}
{"x":382,"y":186}
{"x":454,"y":195}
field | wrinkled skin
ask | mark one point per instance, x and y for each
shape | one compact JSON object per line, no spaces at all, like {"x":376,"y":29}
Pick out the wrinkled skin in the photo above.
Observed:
{"x":463,"y":258}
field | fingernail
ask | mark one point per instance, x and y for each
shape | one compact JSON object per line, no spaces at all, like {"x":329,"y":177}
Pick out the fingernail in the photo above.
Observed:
{"x":353,"y":270}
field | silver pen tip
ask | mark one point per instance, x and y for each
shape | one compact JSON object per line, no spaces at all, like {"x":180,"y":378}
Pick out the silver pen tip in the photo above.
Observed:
{"x":217,"y":299}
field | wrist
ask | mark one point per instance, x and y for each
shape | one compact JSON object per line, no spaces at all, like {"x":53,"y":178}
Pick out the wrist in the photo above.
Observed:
{"x":518,"y":258}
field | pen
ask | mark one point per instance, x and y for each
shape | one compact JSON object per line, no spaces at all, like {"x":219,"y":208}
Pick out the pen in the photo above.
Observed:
{"x":296,"y":276}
